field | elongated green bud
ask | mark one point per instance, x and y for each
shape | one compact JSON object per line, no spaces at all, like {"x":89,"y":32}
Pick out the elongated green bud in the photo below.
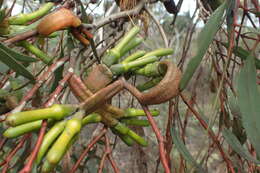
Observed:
{"x":49,"y":138}
{"x":56,"y":112}
{"x":138,"y":139}
{"x":133,"y":57}
{"x":113,"y":55}
{"x":16,"y":131}
{"x":132,"y":112}
{"x":136,"y":41}
{"x":118,"y":69}
{"x":47,"y":166}
{"x":159,"y":52}
{"x":125,"y":138}
{"x":149,"y":84}
{"x":13,"y":132}
{"x":92,"y":118}
{"x":151,"y":70}
{"x":22,"y":19}
{"x":59,"y":148}
{"x":36,"y":51}
{"x":121,"y":128}
{"x":127,"y":38}
{"x":135,"y":122}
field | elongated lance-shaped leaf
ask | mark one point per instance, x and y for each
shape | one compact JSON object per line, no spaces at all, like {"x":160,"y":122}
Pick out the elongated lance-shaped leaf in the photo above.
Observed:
{"x":237,"y":147}
{"x":248,"y":101}
{"x":21,"y":19}
{"x":113,"y":55}
{"x":16,"y":55}
{"x":184,"y":151}
{"x":205,"y":38}
{"x":11,"y":62}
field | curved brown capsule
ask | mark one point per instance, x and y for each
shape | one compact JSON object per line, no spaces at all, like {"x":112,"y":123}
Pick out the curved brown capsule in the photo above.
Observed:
{"x":58,"y":20}
{"x":99,"y":77}
{"x":165,"y":90}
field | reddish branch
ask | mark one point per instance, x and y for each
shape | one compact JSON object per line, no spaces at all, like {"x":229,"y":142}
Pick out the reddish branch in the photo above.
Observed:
{"x":2,"y":142}
{"x":159,"y":138}
{"x":27,"y":168}
{"x":107,"y":154}
{"x":211,"y":134}
{"x":13,"y":152}
{"x":39,"y":82}
{"x":85,"y":152}
{"x":168,"y":143}
{"x":20,"y":37}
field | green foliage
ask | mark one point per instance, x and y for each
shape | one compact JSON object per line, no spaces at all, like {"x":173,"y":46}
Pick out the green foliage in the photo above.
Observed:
{"x":205,"y":38}
{"x":184,"y":151}
{"x":248,"y":101}
{"x":9,"y":57}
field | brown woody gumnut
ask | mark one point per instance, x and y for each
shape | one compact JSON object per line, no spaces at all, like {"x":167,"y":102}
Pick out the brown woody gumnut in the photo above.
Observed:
{"x":99,"y":77}
{"x":166,"y":89}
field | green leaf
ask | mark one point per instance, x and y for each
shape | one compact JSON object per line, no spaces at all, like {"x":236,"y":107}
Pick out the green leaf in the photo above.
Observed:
{"x":205,"y":38}
{"x":184,"y":151}
{"x":237,"y":147}
{"x":248,"y":101}
{"x":12,"y":63}
{"x":16,"y":55}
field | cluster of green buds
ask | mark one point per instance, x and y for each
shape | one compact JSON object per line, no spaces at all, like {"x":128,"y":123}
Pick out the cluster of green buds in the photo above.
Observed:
{"x":66,"y":121}
{"x":63,"y":131}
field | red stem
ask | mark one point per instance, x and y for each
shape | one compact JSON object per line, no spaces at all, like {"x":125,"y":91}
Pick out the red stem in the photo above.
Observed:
{"x":211,"y":134}
{"x":159,"y":138}
{"x":13,"y":152}
{"x":27,"y":168}
{"x":85,"y":152}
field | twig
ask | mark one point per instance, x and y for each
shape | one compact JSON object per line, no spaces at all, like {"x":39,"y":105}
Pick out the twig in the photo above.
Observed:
{"x":22,"y":36}
{"x":85,"y":152}
{"x":211,"y":134}
{"x":13,"y":152}
{"x":40,"y":80}
{"x":159,"y":138}
{"x":27,"y":168}
{"x":166,"y":43}
{"x":116,"y":16}
{"x":107,"y":154}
